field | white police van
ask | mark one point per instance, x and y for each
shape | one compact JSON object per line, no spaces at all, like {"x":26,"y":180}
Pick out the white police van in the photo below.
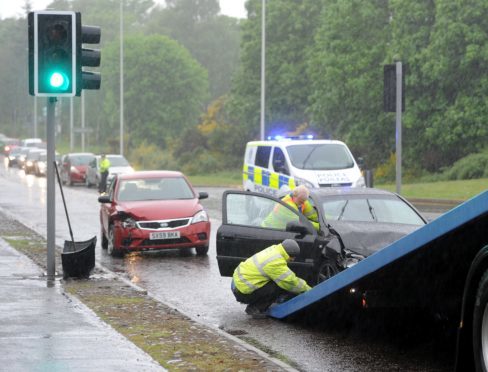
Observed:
{"x":278,"y":166}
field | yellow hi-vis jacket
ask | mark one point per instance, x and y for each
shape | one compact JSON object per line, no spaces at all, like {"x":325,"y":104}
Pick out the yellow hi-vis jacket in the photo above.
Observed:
{"x":104,"y":165}
{"x":269,"y":264}
{"x":280,"y":216}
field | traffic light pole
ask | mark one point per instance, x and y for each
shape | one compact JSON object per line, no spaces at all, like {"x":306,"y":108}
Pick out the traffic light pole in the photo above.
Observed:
{"x":51,"y":201}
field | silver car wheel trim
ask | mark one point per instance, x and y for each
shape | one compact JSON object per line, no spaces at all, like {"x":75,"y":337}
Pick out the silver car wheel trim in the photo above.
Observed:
{"x":110,"y":246}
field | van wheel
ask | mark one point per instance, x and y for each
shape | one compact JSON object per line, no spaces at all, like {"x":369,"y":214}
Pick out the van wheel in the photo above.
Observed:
{"x":480,"y":325}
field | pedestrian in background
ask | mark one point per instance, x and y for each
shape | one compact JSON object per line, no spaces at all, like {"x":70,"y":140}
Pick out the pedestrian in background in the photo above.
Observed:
{"x":264,"y":277}
{"x":104,"y":169}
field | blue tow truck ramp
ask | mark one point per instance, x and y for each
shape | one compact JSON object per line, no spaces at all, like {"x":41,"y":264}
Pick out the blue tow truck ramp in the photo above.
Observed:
{"x":420,"y":268}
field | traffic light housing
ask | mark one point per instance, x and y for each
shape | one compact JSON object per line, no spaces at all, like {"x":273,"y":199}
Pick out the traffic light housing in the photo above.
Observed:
{"x":87,"y":57}
{"x":52,"y":53}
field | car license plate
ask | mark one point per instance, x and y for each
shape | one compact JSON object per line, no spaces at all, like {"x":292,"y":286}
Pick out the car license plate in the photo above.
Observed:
{"x":164,"y":235}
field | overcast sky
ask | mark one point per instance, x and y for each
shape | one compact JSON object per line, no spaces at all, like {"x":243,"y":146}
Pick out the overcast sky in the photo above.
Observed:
{"x":11,"y":8}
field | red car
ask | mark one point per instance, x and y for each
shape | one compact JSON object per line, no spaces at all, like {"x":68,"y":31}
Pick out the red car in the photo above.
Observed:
{"x":74,"y":167}
{"x":153,"y":210}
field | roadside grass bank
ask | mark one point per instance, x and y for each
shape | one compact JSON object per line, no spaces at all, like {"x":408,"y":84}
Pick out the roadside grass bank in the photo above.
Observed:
{"x":451,"y":190}
{"x":172,"y":339}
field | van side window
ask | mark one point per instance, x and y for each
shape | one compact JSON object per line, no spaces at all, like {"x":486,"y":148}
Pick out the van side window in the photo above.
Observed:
{"x":262,"y":156}
{"x":279,"y":161}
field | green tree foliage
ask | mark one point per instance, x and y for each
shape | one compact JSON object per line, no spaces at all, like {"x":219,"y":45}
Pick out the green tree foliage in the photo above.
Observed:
{"x":212,"y":39}
{"x":290,"y":29}
{"x":346,"y":76}
{"x":165,"y":89}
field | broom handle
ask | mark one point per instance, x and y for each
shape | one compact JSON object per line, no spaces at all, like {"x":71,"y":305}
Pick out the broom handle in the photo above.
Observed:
{"x":64,"y":203}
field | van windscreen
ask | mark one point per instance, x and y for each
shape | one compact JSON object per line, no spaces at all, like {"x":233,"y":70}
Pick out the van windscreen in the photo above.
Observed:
{"x":329,"y":156}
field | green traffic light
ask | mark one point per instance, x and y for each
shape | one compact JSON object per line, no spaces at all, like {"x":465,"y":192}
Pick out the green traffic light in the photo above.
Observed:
{"x":59,"y":80}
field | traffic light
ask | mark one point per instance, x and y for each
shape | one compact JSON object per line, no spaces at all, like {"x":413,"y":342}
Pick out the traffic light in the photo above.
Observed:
{"x":52,"y":53}
{"x":86,"y":57}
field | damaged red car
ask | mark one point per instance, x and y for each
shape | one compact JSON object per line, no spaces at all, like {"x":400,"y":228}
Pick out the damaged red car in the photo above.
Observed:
{"x":153,"y":210}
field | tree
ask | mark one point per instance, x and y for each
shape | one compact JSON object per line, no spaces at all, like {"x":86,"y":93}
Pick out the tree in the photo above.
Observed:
{"x":212,"y":39}
{"x":165,"y":88}
{"x":346,"y":76}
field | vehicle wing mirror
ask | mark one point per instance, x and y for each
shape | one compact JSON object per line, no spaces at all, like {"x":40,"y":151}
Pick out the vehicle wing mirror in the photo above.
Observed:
{"x":298,"y":228}
{"x":104,"y":199}
{"x":202,"y":195}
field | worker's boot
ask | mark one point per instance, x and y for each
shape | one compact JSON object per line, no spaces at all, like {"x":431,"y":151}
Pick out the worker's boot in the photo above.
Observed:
{"x":255,"y":312}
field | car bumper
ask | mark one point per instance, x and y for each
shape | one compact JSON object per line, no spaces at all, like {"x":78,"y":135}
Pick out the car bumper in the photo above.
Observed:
{"x":133,"y":239}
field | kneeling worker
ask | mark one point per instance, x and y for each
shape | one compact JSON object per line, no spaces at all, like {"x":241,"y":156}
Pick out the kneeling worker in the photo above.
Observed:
{"x":262,"y":278}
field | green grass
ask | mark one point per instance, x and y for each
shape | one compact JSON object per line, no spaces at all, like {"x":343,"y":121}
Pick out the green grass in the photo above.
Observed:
{"x":451,"y":190}
{"x":454,"y":190}
{"x":225,"y":179}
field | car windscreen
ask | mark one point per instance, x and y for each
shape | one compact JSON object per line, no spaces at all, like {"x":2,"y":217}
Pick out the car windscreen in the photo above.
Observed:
{"x":327,"y":156}
{"x":81,"y":159}
{"x":118,"y":161}
{"x":154,"y":189}
{"x":370,"y":208}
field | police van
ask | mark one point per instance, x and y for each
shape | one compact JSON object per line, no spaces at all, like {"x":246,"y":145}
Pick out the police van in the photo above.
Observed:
{"x":275,"y":167}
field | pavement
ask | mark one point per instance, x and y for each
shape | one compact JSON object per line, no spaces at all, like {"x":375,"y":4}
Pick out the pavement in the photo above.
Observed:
{"x":42,"y":329}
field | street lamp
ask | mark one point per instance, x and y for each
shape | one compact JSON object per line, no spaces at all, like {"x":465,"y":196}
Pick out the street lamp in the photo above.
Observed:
{"x":263,"y":65}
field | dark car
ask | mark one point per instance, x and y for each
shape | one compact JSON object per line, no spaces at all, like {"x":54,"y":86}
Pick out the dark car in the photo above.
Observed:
{"x":20,"y":156}
{"x":354,"y":223}
{"x":31,"y":157}
{"x":153,"y":210}
{"x":13,"y":155}
{"x":74,"y":166}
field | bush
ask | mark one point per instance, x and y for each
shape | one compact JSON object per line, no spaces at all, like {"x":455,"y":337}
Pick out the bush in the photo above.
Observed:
{"x":470,"y":167}
{"x":150,"y":157}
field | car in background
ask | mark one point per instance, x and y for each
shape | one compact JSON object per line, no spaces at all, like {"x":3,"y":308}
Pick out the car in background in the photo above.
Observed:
{"x":74,"y":166}
{"x":32,"y":142}
{"x":32,"y":155}
{"x":118,"y":165}
{"x":40,"y":165}
{"x":20,"y":157}
{"x":354,"y":224}
{"x":153,"y":210}
{"x":13,"y":155}
{"x":7,"y":144}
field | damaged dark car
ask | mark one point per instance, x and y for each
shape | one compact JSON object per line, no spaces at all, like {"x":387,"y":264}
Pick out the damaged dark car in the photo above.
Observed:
{"x":354,"y":224}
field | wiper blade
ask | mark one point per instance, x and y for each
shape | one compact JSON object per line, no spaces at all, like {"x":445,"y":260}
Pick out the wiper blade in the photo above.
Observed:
{"x":342,"y":210}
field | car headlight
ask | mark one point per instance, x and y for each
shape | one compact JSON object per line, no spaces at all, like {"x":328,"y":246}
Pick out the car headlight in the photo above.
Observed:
{"x":200,"y":216}
{"x":301,"y":181}
{"x":74,"y":170}
{"x":129,"y":223}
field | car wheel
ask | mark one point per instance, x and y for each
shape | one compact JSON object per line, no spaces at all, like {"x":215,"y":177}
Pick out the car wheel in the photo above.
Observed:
{"x":480,"y":325}
{"x":70,"y":181}
{"x":103,"y":239}
{"x":202,"y":251}
{"x":87,"y":183}
{"x":327,"y":269}
{"x":111,"y":248}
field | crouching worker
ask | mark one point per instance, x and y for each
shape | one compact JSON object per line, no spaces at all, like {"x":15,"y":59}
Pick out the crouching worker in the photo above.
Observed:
{"x":264,"y":277}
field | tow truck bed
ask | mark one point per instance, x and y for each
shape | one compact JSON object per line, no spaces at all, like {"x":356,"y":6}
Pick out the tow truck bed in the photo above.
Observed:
{"x":426,"y":267}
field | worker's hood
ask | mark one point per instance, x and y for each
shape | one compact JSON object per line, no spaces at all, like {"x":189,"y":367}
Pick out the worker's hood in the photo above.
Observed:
{"x":366,"y":238}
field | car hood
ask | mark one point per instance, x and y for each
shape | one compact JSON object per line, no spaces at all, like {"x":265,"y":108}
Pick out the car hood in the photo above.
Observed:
{"x":366,"y":238}
{"x":160,"y":209}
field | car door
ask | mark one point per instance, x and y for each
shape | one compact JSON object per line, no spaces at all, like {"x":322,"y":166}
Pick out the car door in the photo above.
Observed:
{"x":244,"y":231}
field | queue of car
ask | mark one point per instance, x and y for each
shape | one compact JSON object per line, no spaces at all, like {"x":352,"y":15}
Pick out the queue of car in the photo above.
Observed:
{"x":159,"y":210}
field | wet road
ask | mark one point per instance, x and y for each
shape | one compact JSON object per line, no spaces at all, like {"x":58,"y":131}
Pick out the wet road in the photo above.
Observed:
{"x":193,"y":285}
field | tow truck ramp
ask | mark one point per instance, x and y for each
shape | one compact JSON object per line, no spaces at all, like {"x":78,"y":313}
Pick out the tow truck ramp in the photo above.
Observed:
{"x":418,"y":266}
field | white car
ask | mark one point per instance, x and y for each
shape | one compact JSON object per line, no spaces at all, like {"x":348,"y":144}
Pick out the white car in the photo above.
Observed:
{"x":118,"y":165}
